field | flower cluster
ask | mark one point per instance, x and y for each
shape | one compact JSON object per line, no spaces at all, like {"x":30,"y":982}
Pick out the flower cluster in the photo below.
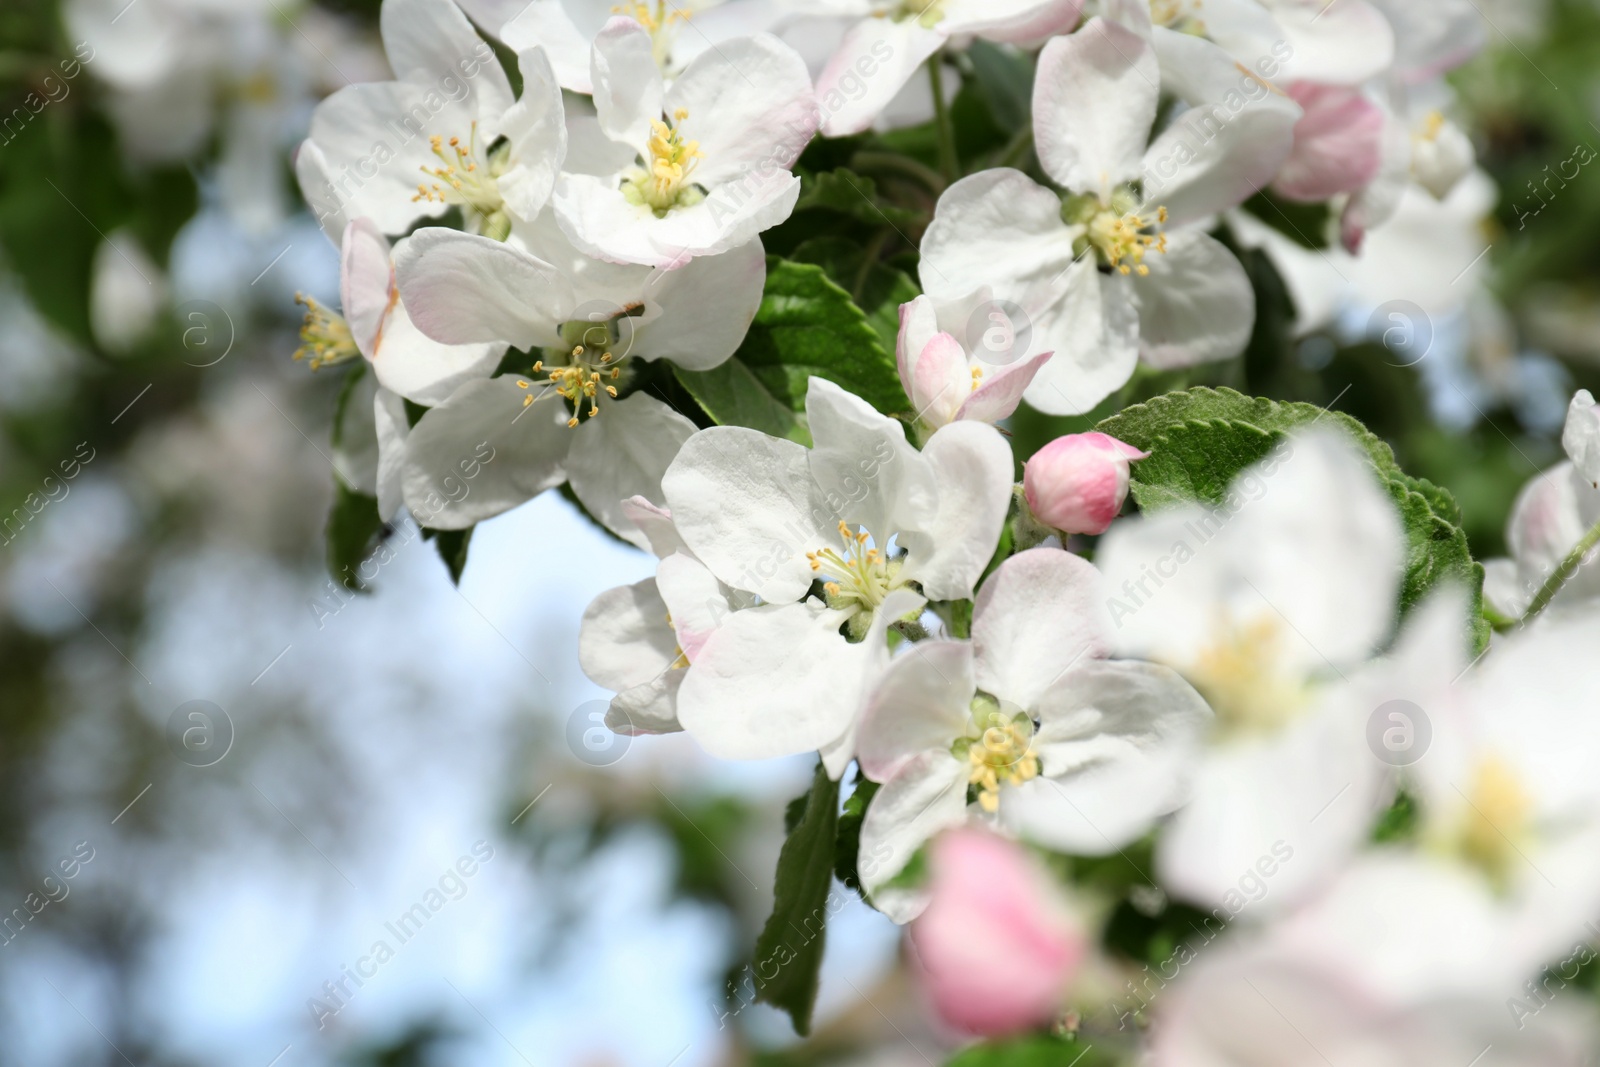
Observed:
{"x":1273,"y":683}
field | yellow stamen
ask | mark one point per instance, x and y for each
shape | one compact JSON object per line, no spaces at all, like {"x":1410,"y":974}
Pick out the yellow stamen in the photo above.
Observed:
{"x":325,"y":337}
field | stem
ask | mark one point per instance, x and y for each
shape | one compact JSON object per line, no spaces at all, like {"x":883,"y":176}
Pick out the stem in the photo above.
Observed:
{"x":889,"y":161}
{"x":869,"y":259}
{"x":948,"y":160}
{"x":1568,"y":567}
{"x":1017,"y":150}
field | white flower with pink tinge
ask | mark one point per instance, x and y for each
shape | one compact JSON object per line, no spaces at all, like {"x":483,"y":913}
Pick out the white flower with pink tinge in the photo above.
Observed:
{"x":1062,"y":745}
{"x":886,"y":48}
{"x":1100,"y":278}
{"x":945,"y":382}
{"x":640,"y":640}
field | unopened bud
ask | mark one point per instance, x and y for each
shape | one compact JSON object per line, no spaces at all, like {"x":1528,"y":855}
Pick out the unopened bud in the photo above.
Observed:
{"x":1076,"y":483}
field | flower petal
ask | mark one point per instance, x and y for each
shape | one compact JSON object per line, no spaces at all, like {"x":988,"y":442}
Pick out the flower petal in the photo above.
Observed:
{"x":1001,"y":391}
{"x":747,"y":506}
{"x":706,"y":305}
{"x":462,"y":289}
{"x":750,"y":106}
{"x":421,"y":369}
{"x":1094,"y":100}
{"x":545,"y":23}
{"x":972,"y":469}
{"x":876,"y":59}
{"x":865,"y":467}
{"x":365,"y":281}
{"x":368,"y":169}
{"x":393,"y":428}
{"x":624,"y":639}
{"x":1338,"y":44}
{"x":656,"y":524}
{"x":1580,"y":437}
{"x":922,"y":703}
{"x":1090,"y":322}
{"x":1040,"y":614}
{"x":427,"y":40}
{"x":482,"y":452}
{"x":623,"y":452}
{"x":1196,"y":304}
{"x":601,"y":222}
{"x":1338,"y":143}
{"x":1311,"y":788}
{"x":927,"y":796}
{"x":1010,"y":21}
{"x":627,"y":83}
{"x":766,"y":683}
{"x":537,"y":129}
{"x":694,"y":599}
{"x":1229,"y":144}
{"x":1114,"y":742}
{"x":648,"y":708}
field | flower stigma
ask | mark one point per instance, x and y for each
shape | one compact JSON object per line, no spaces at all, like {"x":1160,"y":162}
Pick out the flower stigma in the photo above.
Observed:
{"x":1117,"y":232}
{"x":463,"y":180}
{"x":664,"y":183}
{"x":325,"y":337}
{"x":997,"y":748}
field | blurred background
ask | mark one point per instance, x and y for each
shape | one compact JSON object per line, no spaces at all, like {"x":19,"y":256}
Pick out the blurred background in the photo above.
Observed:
{"x":255,"y":775}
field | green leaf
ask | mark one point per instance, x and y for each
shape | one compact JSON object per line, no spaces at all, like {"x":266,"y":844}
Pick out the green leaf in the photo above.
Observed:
{"x":452,"y":546}
{"x":877,"y":288}
{"x":1034,"y":1050}
{"x":847,"y":847}
{"x":852,"y":194}
{"x":1307,"y":225}
{"x":353,"y":527}
{"x":806,"y":325}
{"x":1200,"y":439}
{"x":788,"y":955}
{"x":1005,"y":81}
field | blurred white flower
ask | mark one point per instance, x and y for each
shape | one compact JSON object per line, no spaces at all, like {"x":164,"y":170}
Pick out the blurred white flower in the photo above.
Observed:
{"x":1552,"y":513}
{"x":127,"y":293}
{"x":1270,"y":604}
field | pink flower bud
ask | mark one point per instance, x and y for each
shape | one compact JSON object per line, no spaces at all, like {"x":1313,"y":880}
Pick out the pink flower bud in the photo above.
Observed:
{"x":997,"y":943}
{"x":1077,"y":483}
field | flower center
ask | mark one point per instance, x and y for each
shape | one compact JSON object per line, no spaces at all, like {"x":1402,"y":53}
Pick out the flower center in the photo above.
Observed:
{"x":1117,"y":232}
{"x":1494,"y":821}
{"x":663,"y":182}
{"x":325,"y":337}
{"x":997,"y":748}
{"x":927,"y":13}
{"x":1240,"y":677}
{"x":462,"y":179}
{"x":1180,"y":15}
{"x":590,"y":367}
{"x":658,"y":21}
{"x":858,"y":576}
